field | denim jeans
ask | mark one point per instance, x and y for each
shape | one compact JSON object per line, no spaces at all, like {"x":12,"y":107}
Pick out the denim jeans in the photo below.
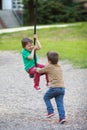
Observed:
{"x":58,"y":94}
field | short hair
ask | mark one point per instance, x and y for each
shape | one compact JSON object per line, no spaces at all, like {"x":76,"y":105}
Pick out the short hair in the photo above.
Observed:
{"x":25,"y":41}
{"x":53,"y":57}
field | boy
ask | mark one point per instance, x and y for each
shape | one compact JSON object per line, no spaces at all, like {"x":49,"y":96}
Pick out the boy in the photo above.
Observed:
{"x":56,"y":89}
{"x":28,"y":59}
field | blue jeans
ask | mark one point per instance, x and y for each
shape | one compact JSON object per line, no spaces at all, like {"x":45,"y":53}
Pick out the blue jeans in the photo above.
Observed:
{"x":58,"y":94}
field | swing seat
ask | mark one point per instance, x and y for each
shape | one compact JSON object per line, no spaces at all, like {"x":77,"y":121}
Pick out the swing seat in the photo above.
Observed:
{"x":32,"y":75}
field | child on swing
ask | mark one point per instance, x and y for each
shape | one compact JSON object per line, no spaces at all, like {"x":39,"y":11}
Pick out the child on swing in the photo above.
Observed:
{"x":56,"y":89}
{"x":28,"y":59}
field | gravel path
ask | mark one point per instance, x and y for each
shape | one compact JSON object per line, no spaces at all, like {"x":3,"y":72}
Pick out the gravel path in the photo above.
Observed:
{"x":23,"y":108}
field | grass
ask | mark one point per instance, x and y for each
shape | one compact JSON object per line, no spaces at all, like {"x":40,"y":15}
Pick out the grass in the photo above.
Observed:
{"x":70,"y":42}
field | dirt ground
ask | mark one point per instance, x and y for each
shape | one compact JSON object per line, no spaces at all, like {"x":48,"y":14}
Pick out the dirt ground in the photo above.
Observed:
{"x":23,"y":108}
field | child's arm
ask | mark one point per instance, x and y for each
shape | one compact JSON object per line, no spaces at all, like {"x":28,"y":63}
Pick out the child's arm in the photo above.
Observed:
{"x":38,"y":43}
{"x":31,"y":56}
{"x":43,"y":70}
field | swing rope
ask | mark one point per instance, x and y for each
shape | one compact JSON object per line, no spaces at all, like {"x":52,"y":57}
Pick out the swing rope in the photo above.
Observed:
{"x":35,"y":23}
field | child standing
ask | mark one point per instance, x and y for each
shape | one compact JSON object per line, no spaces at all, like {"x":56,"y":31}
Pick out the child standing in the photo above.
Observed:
{"x":57,"y":89}
{"x":28,"y":59}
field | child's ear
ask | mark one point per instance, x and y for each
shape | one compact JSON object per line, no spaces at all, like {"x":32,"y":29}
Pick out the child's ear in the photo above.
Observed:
{"x":49,"y":61}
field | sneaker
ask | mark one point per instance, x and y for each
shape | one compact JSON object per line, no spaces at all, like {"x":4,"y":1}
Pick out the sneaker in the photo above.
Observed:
{"x":49,"y":115}
{"x":37,"y":87}
{"x":62,"y":121}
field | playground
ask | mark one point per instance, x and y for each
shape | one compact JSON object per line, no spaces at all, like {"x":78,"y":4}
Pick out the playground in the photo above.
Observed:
{"x":23,"y":108}
{"x":56,"y":27}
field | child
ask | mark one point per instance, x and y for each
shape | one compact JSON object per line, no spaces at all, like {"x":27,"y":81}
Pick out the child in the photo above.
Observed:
{"x":28,"y":59}
{"x":56,"y":89}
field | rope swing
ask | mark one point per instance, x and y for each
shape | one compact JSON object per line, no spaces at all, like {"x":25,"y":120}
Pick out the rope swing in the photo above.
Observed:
{"x":35,"y":29}
{"x":35,"y":24}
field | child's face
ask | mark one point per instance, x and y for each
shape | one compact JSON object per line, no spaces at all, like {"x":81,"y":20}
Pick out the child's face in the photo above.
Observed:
{"x":29,"y":46}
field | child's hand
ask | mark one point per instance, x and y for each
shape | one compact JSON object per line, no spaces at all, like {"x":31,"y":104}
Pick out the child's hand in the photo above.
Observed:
{"x":31,"y":47}
{"x":35,"y":36}
{"x":37,"y":69}
{"x":38,"y":43}
{"x":35,"y":47}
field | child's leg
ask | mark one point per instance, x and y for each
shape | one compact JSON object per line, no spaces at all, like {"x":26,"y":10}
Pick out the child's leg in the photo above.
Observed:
{"x":36,"y":80}
{"x":46,"y":75}
{"x":60,"y":105}
{"x":48,"y":95}
{"x":36,"y":77}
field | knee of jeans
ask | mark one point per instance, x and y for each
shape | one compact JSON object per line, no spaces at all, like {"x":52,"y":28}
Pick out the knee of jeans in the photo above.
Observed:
{"x":45,"y":97}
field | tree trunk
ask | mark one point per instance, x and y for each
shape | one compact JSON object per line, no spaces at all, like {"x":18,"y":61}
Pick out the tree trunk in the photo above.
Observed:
{"x":31,"y":11}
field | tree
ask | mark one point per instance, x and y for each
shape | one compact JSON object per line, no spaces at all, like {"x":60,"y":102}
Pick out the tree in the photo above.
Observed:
{"x":54,"y":11}
{"x":67,"y":2}
{"x":28,"y":12}
{"x":31,"y":11}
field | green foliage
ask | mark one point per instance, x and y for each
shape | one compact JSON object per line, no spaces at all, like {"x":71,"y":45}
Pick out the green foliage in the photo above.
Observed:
{"x":74,"y":13}
{"x":54,"y":11}
{"x":48,"y":13}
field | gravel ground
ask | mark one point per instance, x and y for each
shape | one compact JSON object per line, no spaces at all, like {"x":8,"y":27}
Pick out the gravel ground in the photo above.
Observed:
{"x":23,"y":108}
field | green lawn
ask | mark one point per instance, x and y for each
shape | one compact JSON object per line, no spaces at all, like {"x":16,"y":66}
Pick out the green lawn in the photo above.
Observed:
{"x":70,"y":42}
